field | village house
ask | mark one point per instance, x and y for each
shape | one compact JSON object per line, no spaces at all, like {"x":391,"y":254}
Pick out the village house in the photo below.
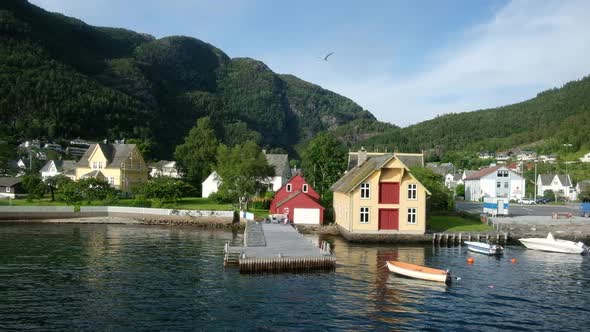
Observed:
{"x":282,"y":173}
{"x":57,"y":167}
{"x":502,"y":157}
{"x":120,"y":164}
{"x":585,"y":158}
{"x":299,"y":202}
{"x":561,"y":184}
{"x":453,"y":180}
{"x":441,"y":168}
{"x":380,"y":196}
{"x":548,"y":158}
{"x":164,"y":168}
{"x":11,"y":187}
{"x":525,"y":155}
{"x":486,"y":155}
{"x":497,"y":181}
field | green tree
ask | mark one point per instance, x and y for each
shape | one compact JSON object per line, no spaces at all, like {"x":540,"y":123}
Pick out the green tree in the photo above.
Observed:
{"x":53,"y":182}
{"x":243,"y":171}
{"x":460,"y":190}
{"x":441,"y":198}
{"x":584,"y":195}
{"x":163,"y":188}
{"x":69,"y":192}
{"x":324,"y":162}
{"x":196,"y":156}
{"x":93,"y":189}
{"x":34,"y":186}
{"x":7,"y":153}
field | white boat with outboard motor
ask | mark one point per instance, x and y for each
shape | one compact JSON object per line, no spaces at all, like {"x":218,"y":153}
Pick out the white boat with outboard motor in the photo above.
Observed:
{"x":485,"y":248}
{"x":555,"y":245}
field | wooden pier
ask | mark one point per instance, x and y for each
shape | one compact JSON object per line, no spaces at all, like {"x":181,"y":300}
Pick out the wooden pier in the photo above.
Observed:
{"x":452,"y":239}
{"x":278,"y":248}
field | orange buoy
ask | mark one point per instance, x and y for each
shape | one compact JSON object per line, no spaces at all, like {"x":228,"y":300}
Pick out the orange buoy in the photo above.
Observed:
{"x":470,"y":260}
{"x":513,"y":261}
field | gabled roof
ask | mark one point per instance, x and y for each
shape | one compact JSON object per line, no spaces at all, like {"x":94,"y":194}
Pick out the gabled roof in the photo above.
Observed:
{"x":61,"y":165}
{"x":278,"y":162}
{"x":409,"y":159}
{"x":482,"y":172}
{"x":94,"y":174}
{"x":546,"y":179}
{"x":356,"y":175}
{"x":115,"y":154}
{"x":9,"y":181}
{"x":297,"y":193}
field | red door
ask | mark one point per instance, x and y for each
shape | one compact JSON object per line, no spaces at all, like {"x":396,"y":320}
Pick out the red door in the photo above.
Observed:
{"x":389,"y":193}
{"x":388,"y":219}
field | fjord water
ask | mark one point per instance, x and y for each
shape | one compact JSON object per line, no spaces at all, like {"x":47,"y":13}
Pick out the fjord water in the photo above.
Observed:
{"x":123,"y":277}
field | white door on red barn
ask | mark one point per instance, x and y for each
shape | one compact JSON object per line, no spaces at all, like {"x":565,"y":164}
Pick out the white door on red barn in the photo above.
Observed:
{"x":306,"y":216}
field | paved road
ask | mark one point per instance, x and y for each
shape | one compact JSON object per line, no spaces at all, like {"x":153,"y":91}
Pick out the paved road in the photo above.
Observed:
{"x":522,"y":210}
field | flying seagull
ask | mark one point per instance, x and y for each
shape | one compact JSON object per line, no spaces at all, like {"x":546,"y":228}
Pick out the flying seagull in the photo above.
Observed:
{"x":326,"y":57}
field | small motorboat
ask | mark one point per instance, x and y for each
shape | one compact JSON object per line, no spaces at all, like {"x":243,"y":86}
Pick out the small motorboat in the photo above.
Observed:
{"x":419,"y":272}
{"x":485,"y":248}
{"x":551,"y":244}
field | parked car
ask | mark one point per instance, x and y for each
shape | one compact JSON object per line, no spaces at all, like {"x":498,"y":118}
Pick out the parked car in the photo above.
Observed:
{"x":544,"y":200}
{"x":526,"y":201}
{"x":585,"y":209}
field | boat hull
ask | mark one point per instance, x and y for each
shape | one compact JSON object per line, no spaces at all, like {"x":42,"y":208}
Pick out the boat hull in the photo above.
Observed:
{"x":419,"y":272}
{"x":561,"y":246}
{"x":484,"y":248}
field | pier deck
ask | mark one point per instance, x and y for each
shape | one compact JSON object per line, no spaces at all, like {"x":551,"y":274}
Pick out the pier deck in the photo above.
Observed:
{"x":277,"y":248}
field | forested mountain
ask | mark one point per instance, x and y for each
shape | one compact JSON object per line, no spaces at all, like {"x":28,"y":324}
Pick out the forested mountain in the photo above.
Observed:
{"x":62,"y":78}
{"x":553,"y":118}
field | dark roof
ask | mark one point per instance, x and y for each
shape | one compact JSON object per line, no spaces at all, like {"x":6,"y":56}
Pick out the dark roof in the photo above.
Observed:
{"x":584,"y":185}
{"x":409,"y":159}
{"x":546,"y":179}
{"x":61,"y":165}
{"x":9,"y":181}
{"x":115,"y":154}
{"x":93,"y":174}
{"x":278,"y":162}
{"x":482,"y":172}
{"x":356,"y":175}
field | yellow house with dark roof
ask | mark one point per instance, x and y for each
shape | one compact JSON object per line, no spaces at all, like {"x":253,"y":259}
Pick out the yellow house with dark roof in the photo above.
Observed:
{"x":380,"y":196}
{"x":121,"y":165}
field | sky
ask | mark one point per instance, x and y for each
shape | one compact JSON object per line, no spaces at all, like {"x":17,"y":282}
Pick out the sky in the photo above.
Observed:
{"x":404,"y":61}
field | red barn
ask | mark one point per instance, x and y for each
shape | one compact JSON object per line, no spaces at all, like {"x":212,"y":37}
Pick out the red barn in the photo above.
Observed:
{"x":299,"y":202}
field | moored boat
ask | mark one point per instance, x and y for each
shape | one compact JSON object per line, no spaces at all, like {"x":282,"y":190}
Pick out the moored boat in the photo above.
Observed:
{"x":485,"y":248}
{"x":555,"y":245}
{"x":419,"y":272}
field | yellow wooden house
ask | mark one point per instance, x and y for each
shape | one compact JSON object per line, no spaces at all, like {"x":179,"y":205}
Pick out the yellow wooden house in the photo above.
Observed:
{"x":120,"y":164}
{"x":378,"y":196}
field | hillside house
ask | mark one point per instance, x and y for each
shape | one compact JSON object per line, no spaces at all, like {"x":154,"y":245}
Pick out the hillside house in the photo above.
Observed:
{"x":11,"y":187}
{"x":379,"y":196}
{"x":57,"y":167}
{"x":164,"y":168}
{"x":453,"y":180}
{"x":282,"y":173}
{"x":120,"y":164}
{"x":561,"y":184}
{"x":525,"y":155}
{"x":548,"y":158}
{"x":585,"y":158}
{"x":497,"y":181}
{"x":299,"y":201}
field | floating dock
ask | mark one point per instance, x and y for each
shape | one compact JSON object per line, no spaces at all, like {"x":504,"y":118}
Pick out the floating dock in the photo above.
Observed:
{"x":278,"y":248}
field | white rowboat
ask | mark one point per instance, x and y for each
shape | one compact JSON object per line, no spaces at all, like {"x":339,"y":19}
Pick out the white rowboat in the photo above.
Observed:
{"x":419,"y":272}
{"x":485,"y":248}
{"x":551,"y":244}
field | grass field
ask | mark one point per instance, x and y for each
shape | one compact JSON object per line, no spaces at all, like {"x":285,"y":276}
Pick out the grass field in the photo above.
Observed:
{"x":187,"y":203}
{"x":457,"y":224}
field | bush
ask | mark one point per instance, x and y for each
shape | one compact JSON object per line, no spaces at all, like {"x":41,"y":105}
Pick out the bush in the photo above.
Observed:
{"x":218,"y":198}
{"x":261,"y":203}
{"x":141,"y":201}
{"x":162,"y":188}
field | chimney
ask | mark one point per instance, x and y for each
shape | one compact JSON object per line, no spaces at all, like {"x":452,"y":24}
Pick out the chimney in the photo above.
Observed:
{"x":362,"y":156}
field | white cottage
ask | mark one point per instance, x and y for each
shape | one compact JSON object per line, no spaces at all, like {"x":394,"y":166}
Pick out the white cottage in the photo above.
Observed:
{"x":497,"y":181}
{"x":57,"y":167}
{"x":558,"y":183}
{"x":164,"y":168}
{"x":280,"y":163}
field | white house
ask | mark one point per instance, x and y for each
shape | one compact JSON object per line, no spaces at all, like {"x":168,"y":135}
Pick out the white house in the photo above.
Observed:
{"x":453,"y":180}
{"x":280,"y":163}
{"x":497,"y":181}
{"x":56,"y":167}
{"x":524,"y":155}
{"x":502,"y":157}
{"x":585,"y":158}
{"x":164,"y":168}
{"x":558,"y":183}
{"x":548,"y":158}
{"x":486,"y":155}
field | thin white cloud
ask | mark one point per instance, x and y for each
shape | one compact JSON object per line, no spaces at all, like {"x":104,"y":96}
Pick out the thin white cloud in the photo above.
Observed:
{"x":528,"y":46}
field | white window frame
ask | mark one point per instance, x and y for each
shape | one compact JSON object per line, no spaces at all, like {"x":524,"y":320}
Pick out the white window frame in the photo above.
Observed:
{"x":289,"y":187}
{"x":94,"y":164}
{"x":412,"y":191}
{"x":364,"y":211}
{"x":100,"y":165}
{"x":7,"y":189}
{"x":412,"y":216}
{"x":305,"y":187}
{"x":365,"y":190}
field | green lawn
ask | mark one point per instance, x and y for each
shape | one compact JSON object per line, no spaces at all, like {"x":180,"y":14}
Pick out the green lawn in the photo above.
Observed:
{"x":457,"y":224}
